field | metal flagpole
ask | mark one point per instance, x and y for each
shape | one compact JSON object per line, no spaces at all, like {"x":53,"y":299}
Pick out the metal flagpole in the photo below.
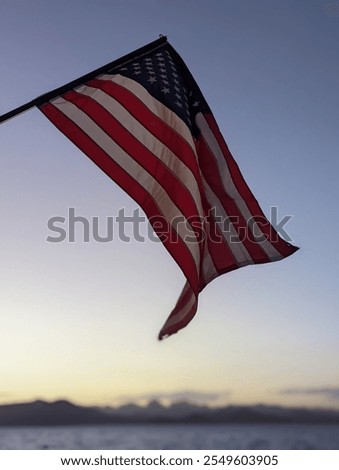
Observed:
{"x":89,"y":76}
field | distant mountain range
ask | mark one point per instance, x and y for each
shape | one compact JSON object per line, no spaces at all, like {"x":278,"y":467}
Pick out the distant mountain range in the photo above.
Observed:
{"x":42,"y":413}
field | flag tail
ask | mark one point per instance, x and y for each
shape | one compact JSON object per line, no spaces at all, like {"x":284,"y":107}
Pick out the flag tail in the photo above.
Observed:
{"x":182,"y":314}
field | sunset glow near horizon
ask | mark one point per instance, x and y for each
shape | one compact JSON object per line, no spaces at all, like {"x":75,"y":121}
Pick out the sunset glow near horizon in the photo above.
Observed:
{"x":79,"y":320}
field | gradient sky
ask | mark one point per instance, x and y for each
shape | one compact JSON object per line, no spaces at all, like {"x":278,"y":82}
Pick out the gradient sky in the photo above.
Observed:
{"x":80,"y":320}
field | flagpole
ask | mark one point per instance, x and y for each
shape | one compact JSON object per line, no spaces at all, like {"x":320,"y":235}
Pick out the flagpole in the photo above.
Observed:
{"x":17,"y":111}
{"x":84,"y":78}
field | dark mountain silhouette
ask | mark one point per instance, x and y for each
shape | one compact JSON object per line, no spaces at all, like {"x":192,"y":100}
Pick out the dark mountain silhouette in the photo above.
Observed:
{"x":62,"y":412}
{"x":42,"y":413}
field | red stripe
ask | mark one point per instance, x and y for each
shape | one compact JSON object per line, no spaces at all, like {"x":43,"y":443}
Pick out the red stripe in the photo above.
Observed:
{"x":220,"y":252}
{"x":212,"y":175}
{"x":153,"y":123}
{"x":170,"y":330}
{"x":179,"y":250}
{"x":268,"y":230}
{"x":182,"y":302}
{"x":184,"y":297}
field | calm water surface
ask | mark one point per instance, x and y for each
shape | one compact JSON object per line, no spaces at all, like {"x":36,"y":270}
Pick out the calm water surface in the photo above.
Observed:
{"x":126,"y":437}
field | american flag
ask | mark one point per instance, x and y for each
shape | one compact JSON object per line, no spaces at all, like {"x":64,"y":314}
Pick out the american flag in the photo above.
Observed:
{"x":146,"y":124}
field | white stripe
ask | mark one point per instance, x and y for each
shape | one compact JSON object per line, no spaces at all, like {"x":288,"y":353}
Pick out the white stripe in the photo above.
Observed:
{"x":164,"y":202}
{"x":230,"y":187}
{"x":230,"y":236}
{"x":209,"y":270}
{"x":160,"y":110}
{"x":181,"y":314}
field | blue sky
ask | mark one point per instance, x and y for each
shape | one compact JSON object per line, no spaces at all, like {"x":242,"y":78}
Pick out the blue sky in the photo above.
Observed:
{"x":80,"y":320}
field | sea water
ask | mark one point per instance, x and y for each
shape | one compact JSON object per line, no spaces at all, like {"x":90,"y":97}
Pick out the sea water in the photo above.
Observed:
{"x":180,"y":437}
